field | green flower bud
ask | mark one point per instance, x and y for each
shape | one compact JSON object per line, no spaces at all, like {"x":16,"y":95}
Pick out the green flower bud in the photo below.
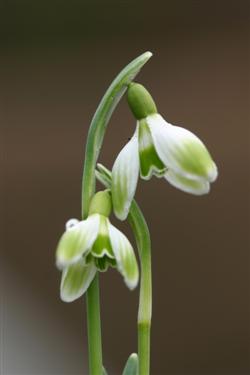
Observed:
{"x":140,"y":101}
{"x":101,"y":204}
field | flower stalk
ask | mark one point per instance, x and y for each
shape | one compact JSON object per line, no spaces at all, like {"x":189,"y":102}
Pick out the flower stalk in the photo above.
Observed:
{"x":93,"y":146}
{"x":141,"y":232}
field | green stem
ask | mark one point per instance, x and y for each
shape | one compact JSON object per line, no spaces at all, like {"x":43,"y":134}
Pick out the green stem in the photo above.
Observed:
{"x":94,"y":328}
{"x":93,"y":146}
{"x":142,"y":235}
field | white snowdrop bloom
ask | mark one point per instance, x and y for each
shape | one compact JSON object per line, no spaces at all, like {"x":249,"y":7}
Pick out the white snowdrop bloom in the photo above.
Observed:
{"x":93,"y":245}
{"x":161,"y":149}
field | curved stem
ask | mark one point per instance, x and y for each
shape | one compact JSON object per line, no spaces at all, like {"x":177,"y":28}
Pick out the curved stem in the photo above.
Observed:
{"x":142,"y":235}
{"x":93,"y":146}
{"x":99,"y":123}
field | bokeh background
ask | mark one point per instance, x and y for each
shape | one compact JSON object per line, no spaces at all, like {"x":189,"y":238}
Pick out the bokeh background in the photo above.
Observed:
{"x":57,"y":59}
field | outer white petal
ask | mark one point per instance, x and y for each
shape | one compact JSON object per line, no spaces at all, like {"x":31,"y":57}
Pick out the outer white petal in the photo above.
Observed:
{"x":181,"y":150}
{"x":125,"y":174}
{"x":77,"y":240}
{"x":186,"y":184}
{"x":125,"y":257}
{"x":71,"y":223}
{"x":76,"y":279}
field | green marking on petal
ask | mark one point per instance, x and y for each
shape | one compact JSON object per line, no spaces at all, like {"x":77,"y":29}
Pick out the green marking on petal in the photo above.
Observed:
{"x":150,"y":163}
{"x":102,"y":264}
{"x":76,"y":280}
{"x":102,"y":245}
{"x":112,"y":262}
{"x":194,"y":159}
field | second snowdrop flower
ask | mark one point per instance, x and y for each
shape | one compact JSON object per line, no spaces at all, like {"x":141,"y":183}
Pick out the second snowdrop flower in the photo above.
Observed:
{"x":161,"y":149}
{"x":93,"y":245}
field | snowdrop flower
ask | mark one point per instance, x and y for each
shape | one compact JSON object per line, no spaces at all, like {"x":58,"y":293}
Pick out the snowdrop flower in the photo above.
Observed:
{"x":93,"y":245}
{"x":161,"y":149}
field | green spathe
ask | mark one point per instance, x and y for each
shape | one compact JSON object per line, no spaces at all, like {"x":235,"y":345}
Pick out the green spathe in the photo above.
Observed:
{"x":140,"y":101}
{"x":100,"y":121}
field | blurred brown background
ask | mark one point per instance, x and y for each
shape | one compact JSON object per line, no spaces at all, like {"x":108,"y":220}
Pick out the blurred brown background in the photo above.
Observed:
{"x":58,"y":58}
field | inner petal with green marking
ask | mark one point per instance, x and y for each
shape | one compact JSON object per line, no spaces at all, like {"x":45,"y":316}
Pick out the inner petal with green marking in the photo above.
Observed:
{"x":102,"y":245}
{"x":102,"y":264}
{"x":150,"y":162}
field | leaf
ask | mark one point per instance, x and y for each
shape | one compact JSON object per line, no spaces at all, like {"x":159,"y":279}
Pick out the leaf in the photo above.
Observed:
{"x":131,"y":367}
{"x":104,"y":371}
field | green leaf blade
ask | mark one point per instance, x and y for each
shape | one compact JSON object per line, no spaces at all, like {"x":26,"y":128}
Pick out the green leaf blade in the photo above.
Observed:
{"x":131,"y":367}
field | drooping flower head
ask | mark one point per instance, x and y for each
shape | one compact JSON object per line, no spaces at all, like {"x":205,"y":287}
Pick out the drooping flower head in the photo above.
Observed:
{"x":93,"y":245}
{"x":161,"y":149}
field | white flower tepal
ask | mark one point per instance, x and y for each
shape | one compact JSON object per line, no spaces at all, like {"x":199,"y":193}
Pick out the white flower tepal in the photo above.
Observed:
{"x":125,"y":174}
{"x":77,"y":240}
{"x":161,"y":149}
{"x":181,"y":151}
{"x":76,"y":279}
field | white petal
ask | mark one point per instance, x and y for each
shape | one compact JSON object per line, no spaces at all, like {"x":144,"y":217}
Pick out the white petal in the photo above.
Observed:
{"x":186,"y":184}
{"x":181,"y":150}
{"x":77,"y":240}
{"x":125,"y":174}
{"x":76,"y":280}
{"x":125,"y":257}
{"x":71,"y":223}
